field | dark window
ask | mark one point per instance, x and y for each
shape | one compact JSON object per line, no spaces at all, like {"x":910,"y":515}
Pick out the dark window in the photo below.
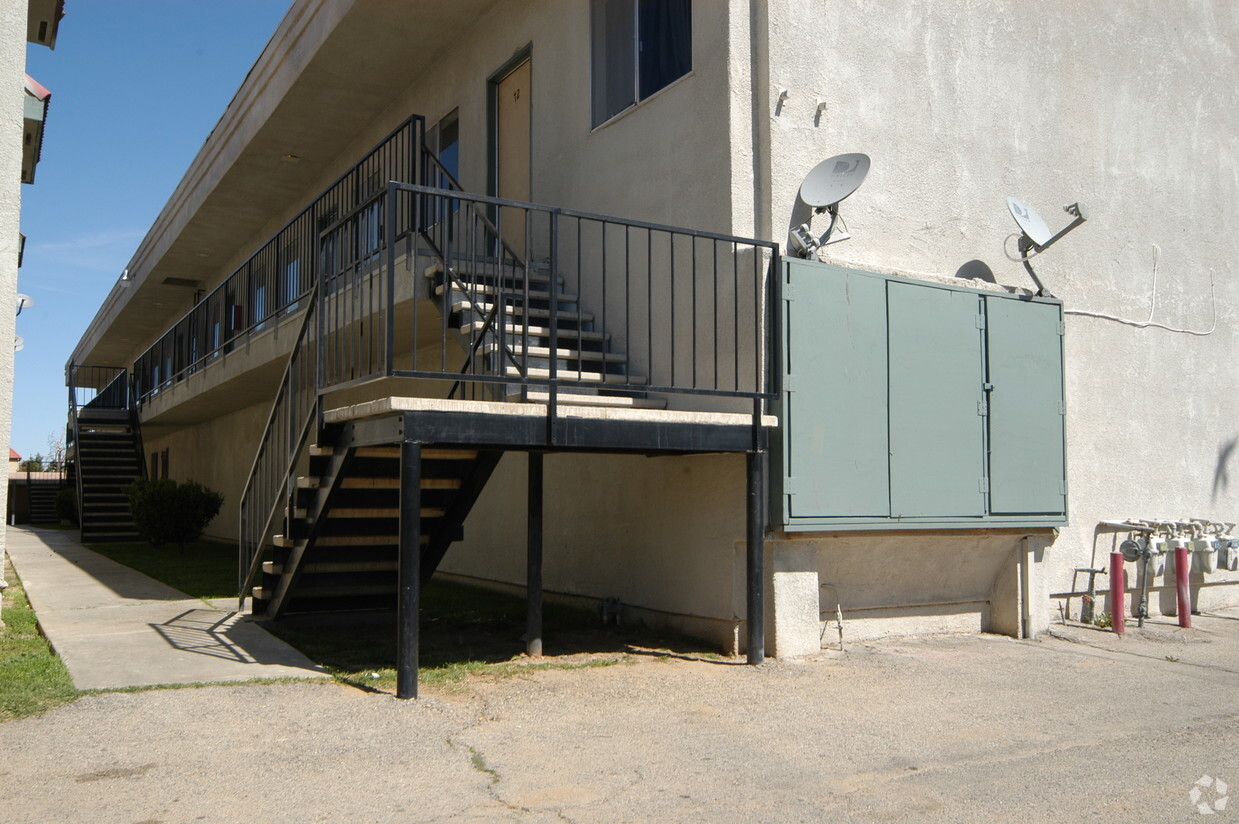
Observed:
{"x":638,"y":48}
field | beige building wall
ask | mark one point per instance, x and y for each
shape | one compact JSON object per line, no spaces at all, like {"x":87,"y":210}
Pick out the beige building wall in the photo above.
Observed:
{"x":1114,"y":105}
{"x":959,"y":106}
{"x":12,"y":68}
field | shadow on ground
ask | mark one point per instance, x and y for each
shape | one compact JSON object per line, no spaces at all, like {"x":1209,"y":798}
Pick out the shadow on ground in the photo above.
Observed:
{"x":468,"y":629}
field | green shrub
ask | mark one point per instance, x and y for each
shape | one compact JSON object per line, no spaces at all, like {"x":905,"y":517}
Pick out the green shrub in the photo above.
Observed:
{"x":66,"y":505}
{"x":167,"y":512}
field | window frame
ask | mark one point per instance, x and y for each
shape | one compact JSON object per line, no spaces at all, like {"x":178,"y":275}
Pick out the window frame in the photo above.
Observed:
{"x":637,"y":98}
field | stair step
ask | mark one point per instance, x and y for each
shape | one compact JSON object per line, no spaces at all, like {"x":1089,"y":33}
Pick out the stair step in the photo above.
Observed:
{"x":560,"y":354}
{"x":573,"y":399}
{"x":394,"y":483}
{"x":537,"y":270}
{"x":475,"y":289}
{"x":383,"y":512}
{"x":361,"y":540}
{"x":516,"y":331}
{"x":575,"y":375}
{"x":533,"y":311}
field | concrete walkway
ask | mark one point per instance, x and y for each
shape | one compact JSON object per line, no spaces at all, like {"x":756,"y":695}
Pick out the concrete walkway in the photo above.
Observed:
{"x":115,"y":627}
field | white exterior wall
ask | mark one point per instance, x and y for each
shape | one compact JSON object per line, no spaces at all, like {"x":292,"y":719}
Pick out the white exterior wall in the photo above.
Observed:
{"x":1125,"y":107}
{"x":12,"y":95}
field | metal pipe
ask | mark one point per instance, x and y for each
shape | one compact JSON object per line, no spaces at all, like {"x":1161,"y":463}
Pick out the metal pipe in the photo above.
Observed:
{"x":1118,"y":608}
{"x":1181,"y":569}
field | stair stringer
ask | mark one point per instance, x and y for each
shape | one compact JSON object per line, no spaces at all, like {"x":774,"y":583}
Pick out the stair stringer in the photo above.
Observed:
{"x":293,"y":565}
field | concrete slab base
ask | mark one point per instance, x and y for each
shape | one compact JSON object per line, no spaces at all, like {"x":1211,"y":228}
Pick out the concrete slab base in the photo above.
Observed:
{"x":115,"y":627}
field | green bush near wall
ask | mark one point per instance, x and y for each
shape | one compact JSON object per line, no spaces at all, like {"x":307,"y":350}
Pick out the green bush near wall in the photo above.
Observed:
{"x":167,"y":512}
{"x":66,"y":505}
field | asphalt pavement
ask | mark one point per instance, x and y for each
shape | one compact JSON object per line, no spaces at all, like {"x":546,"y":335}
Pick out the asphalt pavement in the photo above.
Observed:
{"x":1075,"y":726}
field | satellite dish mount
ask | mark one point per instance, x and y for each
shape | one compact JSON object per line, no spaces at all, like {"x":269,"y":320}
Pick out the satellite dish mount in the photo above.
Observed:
{"x":826,"y":184}
{"x":1035,"y":235}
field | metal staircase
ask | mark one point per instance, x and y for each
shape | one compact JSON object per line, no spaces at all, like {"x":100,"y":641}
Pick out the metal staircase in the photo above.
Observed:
{"x":340,"y":551}
{"x":105,"y":447}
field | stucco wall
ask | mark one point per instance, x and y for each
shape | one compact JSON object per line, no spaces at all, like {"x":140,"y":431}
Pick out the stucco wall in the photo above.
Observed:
{"x":1126,"y":107}
{"x":12,"y":95}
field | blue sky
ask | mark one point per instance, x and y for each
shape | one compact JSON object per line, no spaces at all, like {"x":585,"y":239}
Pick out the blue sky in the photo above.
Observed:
{"x":136,"y":87}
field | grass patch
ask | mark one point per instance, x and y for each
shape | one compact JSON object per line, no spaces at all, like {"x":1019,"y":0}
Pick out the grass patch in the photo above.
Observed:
{"x":206,"y":569}
{"x":33,"y":679}
{"x":465,"y":632}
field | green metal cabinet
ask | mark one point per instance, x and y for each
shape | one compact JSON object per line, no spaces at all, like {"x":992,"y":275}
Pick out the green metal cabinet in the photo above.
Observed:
{"x":911,"y":403}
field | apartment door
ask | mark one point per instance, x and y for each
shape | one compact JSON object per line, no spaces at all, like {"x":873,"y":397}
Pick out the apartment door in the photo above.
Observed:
{"x":512,"y":149}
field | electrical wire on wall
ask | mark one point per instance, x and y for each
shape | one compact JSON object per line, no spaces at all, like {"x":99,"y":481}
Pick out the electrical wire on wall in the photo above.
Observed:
{"x":1150,"y":323}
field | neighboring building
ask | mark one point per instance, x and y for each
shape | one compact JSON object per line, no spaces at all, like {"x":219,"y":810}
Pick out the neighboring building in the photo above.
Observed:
{"x":23,"y":108}
{"x":909,"y":506}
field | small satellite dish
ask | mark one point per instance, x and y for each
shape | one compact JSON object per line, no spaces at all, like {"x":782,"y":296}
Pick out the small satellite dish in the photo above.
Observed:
{"x":19,"y":343}
{"x":24,"y":302}
{"x":1035,"y":235}
{"x":1030,"y":223}
{"x":823,"y":188}
{"x":832,"y":180}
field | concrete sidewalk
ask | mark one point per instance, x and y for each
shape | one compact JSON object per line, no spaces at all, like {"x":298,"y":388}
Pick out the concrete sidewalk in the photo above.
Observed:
{"x":115,"y":627}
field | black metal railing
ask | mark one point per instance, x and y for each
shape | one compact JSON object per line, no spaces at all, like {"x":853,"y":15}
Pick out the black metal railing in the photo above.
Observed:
{"x":534,"y":303}
{"x":270,"y":484}
{"x":275,"y":281}
{"x":98,"y":388}
{"x":537,"y":300}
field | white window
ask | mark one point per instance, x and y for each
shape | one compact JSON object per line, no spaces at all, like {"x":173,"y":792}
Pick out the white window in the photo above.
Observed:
{"x":638,"y":48}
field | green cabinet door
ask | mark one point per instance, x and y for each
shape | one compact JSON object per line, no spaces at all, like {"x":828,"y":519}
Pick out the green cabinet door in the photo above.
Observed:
{"x":937,"y":433}
{"x":1027,"y":468}
{"x":836,"y":455}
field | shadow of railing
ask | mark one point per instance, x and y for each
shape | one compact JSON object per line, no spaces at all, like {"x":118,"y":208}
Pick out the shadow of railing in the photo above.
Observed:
{"x":205,"y":632}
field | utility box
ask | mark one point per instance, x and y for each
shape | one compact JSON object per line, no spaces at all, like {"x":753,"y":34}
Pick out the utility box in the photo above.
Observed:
{"x":908,"y":404}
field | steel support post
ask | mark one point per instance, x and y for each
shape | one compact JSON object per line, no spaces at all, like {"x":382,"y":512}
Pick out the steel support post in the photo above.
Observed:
{"x":533,"y":568}
{"x":409,"y":586}
{"x":756,"y":572}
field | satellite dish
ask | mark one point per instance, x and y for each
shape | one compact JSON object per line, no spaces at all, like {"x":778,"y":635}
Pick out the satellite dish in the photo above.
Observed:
{"x":832,"y":180}
{"x":1035,"y":235}
{"x":19,"y":343}
{"x":24,"y":302}
{"x":823,"y":188}
{"x":1030,"y":223}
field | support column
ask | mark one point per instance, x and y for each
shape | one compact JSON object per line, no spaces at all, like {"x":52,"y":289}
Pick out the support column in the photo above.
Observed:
{"x":756,"y":557}
{"x":533,"y":566}
{"x":410,"y":561}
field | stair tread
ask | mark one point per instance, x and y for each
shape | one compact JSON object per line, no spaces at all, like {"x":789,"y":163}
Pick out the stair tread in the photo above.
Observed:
{"x":577,"y":375}
{"x":560,"y":353}
{"x":573,"y":399}
{"x":532,"y":311}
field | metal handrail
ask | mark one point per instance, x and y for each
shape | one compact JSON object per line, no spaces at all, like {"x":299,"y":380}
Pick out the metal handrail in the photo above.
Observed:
{"x":279,"y":449}
{"x":283,"y":266}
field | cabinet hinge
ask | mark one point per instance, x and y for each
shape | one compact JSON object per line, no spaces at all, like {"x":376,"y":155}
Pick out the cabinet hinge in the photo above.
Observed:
{"x":789,"y":486}
{"x":1062,"y":407}
{"x":982,"y":408}
{"x":787,"y":383}
{"x":984,"y":485}
{"x":1062,"y":487}
{"x":980,"y":321}
{"x":789,"y":292}
{"x":1062,"y":328}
